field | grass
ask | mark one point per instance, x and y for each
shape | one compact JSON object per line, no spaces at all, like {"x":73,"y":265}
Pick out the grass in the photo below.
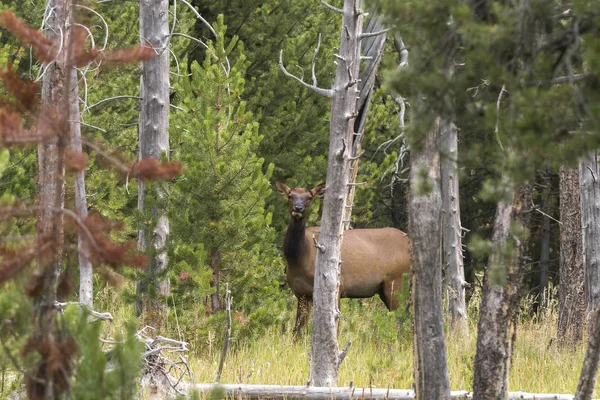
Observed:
{"x":381,"y":355}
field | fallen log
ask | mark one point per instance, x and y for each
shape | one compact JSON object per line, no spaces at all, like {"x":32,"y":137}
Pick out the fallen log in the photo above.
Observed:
{"x":240,"y":391}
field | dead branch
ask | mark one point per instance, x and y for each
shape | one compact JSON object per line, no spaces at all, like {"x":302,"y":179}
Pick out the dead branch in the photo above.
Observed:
{"x":323,"y":92}
{"x":164,"y":366}
{"x":338,"y":10}
{"x":343,"y":393}
{"x":227,"y":332}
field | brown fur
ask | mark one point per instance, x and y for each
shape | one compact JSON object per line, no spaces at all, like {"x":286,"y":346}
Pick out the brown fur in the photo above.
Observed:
{"x":373,"y":260}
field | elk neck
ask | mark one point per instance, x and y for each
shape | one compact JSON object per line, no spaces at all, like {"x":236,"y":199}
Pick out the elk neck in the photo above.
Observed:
{"x":294,"y":243}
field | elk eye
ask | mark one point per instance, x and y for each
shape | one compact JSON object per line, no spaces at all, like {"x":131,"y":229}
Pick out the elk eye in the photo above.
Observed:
{"x":289,"y":196}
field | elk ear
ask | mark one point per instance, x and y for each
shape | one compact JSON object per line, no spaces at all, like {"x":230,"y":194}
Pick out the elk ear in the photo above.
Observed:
{"x":282,"y":188}
{"x":318,"y":190}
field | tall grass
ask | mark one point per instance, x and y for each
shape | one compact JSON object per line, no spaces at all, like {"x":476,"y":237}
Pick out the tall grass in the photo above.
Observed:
{"x":381,"y":354}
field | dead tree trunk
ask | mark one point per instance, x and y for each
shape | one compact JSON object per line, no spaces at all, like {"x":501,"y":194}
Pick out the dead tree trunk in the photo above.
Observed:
{"x":50,"y":154}
{"x":325,"y":357}
{"x":86,"y":287}
{"x":545,"y":242}
{"x":372,"y":51}
{"x":452,"y":229}
{"x":154,"y":143}
{"x":589,"y":179}
{"x":41,"y":382}
{"x":589,"y":370}
{"x":571,"y":301}
{"x":430,"y":366}
{"x":496,"y":329}
{"x":215,"y":265}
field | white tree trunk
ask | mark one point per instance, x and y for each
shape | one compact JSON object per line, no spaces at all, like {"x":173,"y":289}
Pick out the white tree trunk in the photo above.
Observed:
{"x":589,"y":178}
{"x":325,"y":355}
{"x":154,"y":135}
{"x":430,"y":366}
{"x":452,"y":229}
{"x":86,"y":290}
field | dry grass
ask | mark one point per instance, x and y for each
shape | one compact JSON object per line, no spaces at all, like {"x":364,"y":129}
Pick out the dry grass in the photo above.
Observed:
{"x":381,"y":355}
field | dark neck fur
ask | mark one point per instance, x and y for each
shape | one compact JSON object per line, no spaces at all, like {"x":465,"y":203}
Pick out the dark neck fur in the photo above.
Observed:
{"x":294,"y":243}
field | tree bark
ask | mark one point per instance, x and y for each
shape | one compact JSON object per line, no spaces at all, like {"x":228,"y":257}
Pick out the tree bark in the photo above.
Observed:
{"x":372,"y":50}
{"x":325,"y":357}
{"x":50,"y":154}
{"x":41,"y":382}
{"x":452,"y":230}
{"x":545,"y":245}
{"x":589,"y":370}
{"x":496,"y":329}
{"x":154,"y":142}
{"x":260,"y":392}
{"x":589,"y":179}
{"x":430,"y":366}
{"x":215,"y":265}
{"x":86,"y":286}
{"x":571,"y":301}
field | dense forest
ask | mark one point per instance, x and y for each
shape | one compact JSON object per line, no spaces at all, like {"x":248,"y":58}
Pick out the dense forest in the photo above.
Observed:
{"x":516,"y":83}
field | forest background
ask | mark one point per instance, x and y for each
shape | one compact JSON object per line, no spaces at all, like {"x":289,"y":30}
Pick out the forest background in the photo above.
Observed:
{"x":227,"y":222}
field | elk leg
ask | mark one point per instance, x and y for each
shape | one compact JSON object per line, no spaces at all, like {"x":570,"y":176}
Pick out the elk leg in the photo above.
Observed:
{"x":302,"y":314}
{"x":388,"y":291}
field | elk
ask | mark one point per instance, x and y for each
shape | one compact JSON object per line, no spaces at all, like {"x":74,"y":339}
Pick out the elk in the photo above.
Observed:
{"x":373,"y":260}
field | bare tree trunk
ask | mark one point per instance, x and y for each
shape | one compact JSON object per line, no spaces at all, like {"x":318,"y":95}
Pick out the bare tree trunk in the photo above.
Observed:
{"x":496,"y":329}
{"x":43,"y":383}
{"x":589,"y":179}
{"x":86,"y":286}
{"x":430,"y":366}
{"x":589,"y":370}
{"x":372,"y":50}
{"x":50,"y":180}
{"x":154,"y":142}
{"x":215,"y":265}
{"x":325,"y":357}
{"x":452,"y":233}
{"x":571,"y":301}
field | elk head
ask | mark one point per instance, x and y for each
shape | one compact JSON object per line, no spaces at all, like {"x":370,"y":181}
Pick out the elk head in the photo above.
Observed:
{"x":299,"y":198}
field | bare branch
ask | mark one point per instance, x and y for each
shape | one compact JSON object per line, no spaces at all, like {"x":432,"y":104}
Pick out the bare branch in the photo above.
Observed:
{"x":344,"y":352}
{"x":199,"y":17}
{"x":108,"y":99}
{"x":566,"y":79}
{"x":338,"y":10}
{"x":323,"y":92}
{"x":496,"y":129}
{"x":102,"y":316}
{"x":103,"y":22}
{"x":314,"y":77}
{"x":371,"y":34}
{"x":191,"y":38}
{"x":317,"y":244}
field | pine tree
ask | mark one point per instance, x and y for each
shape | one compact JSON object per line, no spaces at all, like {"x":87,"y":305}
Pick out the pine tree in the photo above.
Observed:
{"x":221,"y":231}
